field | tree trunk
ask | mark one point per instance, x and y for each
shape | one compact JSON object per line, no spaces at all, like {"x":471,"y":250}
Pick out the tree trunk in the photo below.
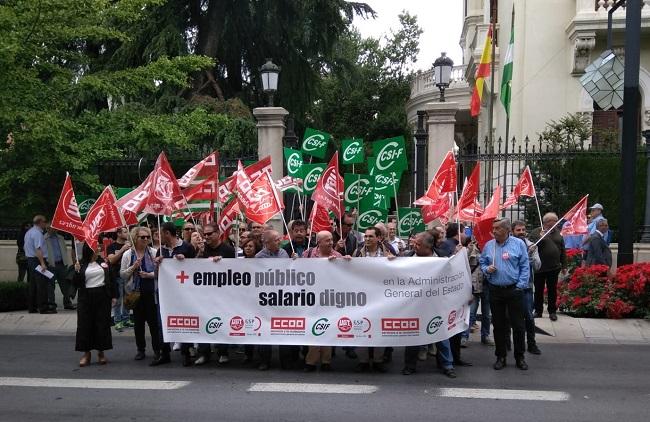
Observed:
{"x":209,"y":26}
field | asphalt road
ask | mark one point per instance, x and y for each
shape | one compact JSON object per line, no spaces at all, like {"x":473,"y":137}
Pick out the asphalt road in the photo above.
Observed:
{"x":565,"y":383}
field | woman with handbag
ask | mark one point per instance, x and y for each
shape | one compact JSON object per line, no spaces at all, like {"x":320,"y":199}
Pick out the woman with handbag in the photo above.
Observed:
{"x":96,"y":296}
{"x":137,"y":268}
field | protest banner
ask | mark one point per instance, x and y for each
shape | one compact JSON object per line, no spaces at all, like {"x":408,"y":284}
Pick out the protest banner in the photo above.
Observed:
{"x":361,"y":302}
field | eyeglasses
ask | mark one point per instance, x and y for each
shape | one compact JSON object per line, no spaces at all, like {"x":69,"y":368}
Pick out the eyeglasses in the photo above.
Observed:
{"x":144,"y":237}
{"x":207,"y":233}
{"x":189,"y":229}
{"x":348,"y":224}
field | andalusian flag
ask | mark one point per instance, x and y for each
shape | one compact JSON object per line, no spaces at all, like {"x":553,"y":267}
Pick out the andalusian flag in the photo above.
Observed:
{"x":482,"y":72}
{"x":506,"y":80}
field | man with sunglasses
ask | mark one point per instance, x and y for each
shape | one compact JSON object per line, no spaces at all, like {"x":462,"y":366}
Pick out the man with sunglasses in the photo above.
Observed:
{"x":188,"y":229}
{"x":347,"y":242}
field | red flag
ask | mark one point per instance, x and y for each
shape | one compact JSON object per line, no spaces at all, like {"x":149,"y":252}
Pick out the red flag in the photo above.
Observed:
{"x":243,"y":186}
{"x":320,"y":219}
{"x":208,"y":168}
{"x":576,"y":218}
{"x":103,"y":216}
{"x":205,"y":190}
{"x":164,"y":193}
{"x":472,"y":213}
{"x":66,"y":217}
{"x":470,"y":189}
{"x":263,"y":200}
{"x":228,"y":216}
{"x":524,"y":187}
{"x":253,"y":171}
{"x":329,"y":188}
{"x":288,"y":182}
{"x":438,"y":209}
{"x":483,"y":229}
{"x":444,"y":181}
{"x":134,"y":201}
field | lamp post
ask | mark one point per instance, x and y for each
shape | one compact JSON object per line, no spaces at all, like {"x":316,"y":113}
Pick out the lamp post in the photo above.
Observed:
{"x":442,"y":73}
{"x":421,"y":137}
{"x":270,"y":72}
{"x":645,"y":235}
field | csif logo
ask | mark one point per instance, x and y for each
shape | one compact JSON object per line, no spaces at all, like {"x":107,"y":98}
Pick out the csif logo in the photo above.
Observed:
{"x":357,"y":190}
{"x":388,"y":155}
{"x":294,"y":162}
{"x":384,"y":182}
{"x":409,"y":221}
{"x":370,"y":217}
{"x":314,"y":142}
{"x":320,"y":326}
{"x":352,"y":150}
{"x":213,"y":325}
{"x":311,"y":179}
{"x":434,"y":325}
{"x":85,"y":206}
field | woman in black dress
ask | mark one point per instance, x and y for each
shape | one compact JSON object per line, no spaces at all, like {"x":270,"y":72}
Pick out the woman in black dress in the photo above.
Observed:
{"x":96,"y":296}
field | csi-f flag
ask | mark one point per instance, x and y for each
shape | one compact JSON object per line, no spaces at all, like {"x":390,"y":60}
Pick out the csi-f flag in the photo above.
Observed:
{"x":315,"y":142}
{"x":410,"y":221}
{"x":375,"y":200}
{"x":294,"y":162}
{"x":310,"y":175}
{"x":390,"y":155}
{"x":386,"y":183}
{"x":357,"y":187}
{"x":368,"y":217}
{"x":352,"y":151}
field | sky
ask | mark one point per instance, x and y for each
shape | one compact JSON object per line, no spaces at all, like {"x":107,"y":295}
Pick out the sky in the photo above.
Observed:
{"x":441,"y":20}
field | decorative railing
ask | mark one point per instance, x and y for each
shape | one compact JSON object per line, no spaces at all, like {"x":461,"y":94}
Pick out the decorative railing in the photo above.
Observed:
{"x":425,"y":81}
{"x":603,"y":6}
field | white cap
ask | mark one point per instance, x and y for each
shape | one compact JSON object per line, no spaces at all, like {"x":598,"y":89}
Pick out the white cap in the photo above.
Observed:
{"x":596,"y":207}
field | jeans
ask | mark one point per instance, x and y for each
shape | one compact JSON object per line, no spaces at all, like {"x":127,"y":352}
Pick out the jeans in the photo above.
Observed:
{"x":548,"y":279}
{"x":528,"y":315}
{"x":507,"y":304}
{"x":119,"y":311}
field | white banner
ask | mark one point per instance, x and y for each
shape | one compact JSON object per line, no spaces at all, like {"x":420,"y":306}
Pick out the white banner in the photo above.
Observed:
{"x":313,"y":301}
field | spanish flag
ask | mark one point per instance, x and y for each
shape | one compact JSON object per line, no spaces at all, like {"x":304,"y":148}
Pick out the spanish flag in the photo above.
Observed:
{"x":482,"y":72}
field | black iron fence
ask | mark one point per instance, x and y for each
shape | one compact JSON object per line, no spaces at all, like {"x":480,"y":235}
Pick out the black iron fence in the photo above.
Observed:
{"x":561,"y":174}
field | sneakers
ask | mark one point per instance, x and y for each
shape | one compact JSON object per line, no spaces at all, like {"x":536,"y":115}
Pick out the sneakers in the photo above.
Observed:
{"x":422,"y":354}
{"x":176,"y":347}
{"x":223,"y":359}
{"x":202,"y":360}
{"x":119,"y":326}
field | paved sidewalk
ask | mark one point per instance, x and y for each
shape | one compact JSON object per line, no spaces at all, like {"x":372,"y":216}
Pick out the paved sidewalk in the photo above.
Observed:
{"x":565,"y":330}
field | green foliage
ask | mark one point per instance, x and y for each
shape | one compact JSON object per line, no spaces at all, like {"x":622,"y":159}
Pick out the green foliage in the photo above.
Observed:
{"x":13,"y":296}
{"x":573,"y":171}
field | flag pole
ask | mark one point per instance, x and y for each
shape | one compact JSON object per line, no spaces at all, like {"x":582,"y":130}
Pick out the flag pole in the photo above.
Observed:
{"x":541,"y":223}
{"x":277,"y":201}
{"x":187,"y":207}
{"x":311,"y":226}
{"x":491,"y":99}
{"x":356,"y":219}
{"x":396,"y":205}
{"x":546,"y":232}
{"x":159,"y":236}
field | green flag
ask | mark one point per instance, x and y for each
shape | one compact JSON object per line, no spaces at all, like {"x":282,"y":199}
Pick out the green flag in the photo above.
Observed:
{"x":352,"y":151}
{"x":370,"y":216}
{"x":375,"y":200}
{"x":390,"y":154}
{"x":410,"y":221}
{"x":314,"y":143}
{"x":293,"y":159}
{"x":383,"y":183}
{"x":357,"y":187}
{"x":85,"y":202}
{"x":310,"y":175}
{"x":506,"y":79}
{"x":371,"y":166}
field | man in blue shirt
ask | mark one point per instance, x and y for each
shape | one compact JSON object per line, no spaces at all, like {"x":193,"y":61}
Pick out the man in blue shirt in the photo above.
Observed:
{"x":36,"y":254}
{"x":504,"y":261}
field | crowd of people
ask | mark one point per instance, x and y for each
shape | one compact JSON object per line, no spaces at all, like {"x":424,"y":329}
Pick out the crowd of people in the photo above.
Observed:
{"x":116,"y":288}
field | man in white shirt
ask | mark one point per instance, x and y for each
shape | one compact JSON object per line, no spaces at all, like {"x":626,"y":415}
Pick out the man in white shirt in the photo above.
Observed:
{"x":36,"y":254}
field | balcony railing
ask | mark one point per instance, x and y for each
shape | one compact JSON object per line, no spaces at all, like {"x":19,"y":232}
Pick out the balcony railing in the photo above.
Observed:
{"x":425,"y":81}
{"x":603,"y":6}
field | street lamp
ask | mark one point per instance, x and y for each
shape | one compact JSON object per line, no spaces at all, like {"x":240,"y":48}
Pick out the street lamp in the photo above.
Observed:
{"x":270,"y":72}
{"x":442,"y":73}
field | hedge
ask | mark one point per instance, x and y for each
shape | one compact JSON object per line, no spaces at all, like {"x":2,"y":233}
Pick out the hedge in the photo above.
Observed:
{"x":13,"y":296}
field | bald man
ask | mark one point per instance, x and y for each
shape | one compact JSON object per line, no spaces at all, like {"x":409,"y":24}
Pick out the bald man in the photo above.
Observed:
{"x":272,"y":248}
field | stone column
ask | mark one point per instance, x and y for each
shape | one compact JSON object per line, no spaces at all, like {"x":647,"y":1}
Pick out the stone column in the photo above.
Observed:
{"x":441,"y":124}
{"x":270,"y":130}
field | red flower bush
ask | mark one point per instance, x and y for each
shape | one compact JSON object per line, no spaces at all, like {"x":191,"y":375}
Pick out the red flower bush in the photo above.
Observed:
{"x":593,"y":292}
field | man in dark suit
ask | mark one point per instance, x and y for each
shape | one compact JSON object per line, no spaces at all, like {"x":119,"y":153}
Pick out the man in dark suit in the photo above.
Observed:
{"x":598,"y":252}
